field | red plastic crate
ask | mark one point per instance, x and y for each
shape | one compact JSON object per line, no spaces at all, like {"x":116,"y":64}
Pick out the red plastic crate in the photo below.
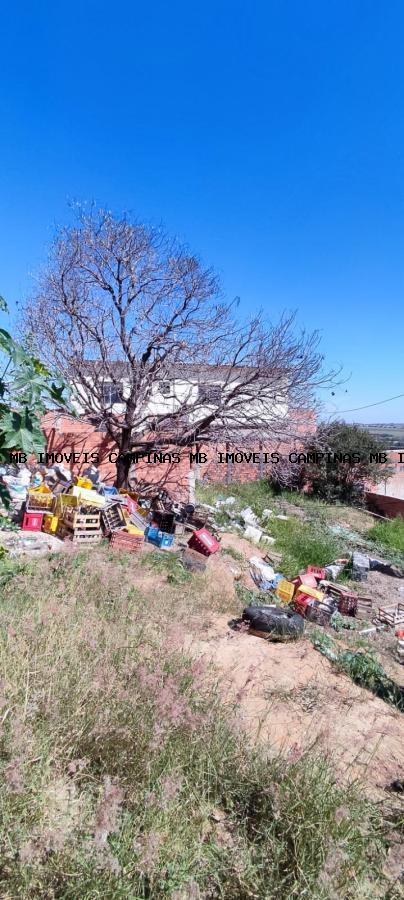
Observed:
{"x":317,"y":571}
{"x":32,"y":521}
{"x":204,"y":542}
{"x":129,"y":543}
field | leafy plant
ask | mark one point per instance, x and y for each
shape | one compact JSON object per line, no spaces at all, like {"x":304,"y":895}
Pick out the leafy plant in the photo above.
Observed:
{"x":27,"y":389}
{"x":345,"y":462}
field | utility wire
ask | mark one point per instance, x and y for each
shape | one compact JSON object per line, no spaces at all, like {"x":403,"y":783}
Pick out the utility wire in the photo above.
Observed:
{"x":368,"y":405}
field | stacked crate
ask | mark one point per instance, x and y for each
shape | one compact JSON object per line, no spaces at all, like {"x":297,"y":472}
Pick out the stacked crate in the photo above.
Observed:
{"x":39,"y":502}
{"x":112,"y":518}
{"x":82,"y":526}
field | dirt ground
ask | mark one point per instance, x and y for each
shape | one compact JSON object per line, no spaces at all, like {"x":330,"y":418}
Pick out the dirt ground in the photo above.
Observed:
{"x":290,"y":697}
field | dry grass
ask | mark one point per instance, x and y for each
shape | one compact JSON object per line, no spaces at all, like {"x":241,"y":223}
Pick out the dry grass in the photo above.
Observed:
{"x":123,"y":773}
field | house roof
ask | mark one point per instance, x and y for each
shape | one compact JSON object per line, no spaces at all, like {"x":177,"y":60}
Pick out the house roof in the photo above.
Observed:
{"x":194,"y":371}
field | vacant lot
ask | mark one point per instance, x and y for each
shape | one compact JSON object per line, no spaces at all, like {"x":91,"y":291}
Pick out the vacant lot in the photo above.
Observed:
{"x":149,"y":751}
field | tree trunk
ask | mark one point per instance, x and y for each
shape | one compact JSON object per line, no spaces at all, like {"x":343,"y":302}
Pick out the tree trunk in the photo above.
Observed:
{"x":124,"y":461}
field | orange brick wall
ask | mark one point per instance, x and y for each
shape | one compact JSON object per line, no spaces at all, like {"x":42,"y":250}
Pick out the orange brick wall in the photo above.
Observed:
{"x":65,"y":434}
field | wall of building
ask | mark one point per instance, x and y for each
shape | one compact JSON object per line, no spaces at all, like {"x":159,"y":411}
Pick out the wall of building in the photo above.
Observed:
{"x":394,"y":486}
{"x":391,"y":507}
{"x":67,"y":435}
{"x":185,"y":392}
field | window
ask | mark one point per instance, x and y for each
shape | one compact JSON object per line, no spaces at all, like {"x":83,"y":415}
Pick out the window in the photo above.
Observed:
{"x":110,"y":394}
{"x":209,"y":393}
{"x":165,"y":388}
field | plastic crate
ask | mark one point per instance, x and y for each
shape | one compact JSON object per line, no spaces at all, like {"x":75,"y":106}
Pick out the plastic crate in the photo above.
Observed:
{"x":164,"y":520}
{"x":127,"y":543}
{"x":164,"y":540}
{"x":109,"y":491}
{"x":88,"y":497}
{"x":62,"y":501}
{"x":347,"y":605}
{"x":318,"y":571}
{"x":83,"y":482}
{"x":50,"y":523}
{"x":160,"y":538}
{"x":40,"y":501}
{"x":285,"y":590}
{"x":204,"y":542}
{"x":151,"y":534}
{"x":307,"y":591}
{"x":32,"y":521}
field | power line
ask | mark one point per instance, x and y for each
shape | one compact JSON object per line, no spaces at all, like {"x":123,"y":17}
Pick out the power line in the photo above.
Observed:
{"x":367,"y":406}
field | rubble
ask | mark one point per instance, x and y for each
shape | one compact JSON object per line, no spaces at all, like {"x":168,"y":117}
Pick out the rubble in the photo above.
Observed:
{"x":253,"y":534}
{"x":248,"y":516}
{"x":83,"y":511}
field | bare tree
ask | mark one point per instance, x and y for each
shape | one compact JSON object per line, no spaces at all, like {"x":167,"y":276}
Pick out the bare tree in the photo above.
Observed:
{"x":121,"y":304}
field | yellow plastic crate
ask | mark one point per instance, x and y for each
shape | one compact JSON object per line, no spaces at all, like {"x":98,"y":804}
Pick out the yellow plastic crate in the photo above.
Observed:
{"x":89,"y":498}
{"x":83,"y":482}
{"x":62,"y":501}
{"x":50,"y":523}
{"x":285,"y":591}
{"x":132,"y":529}
{"x":42,"y":489}
{"x":310,"y":591}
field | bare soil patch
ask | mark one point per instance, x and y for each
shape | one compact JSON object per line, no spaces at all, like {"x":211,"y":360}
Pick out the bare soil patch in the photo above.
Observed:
{"x":289,"y":697}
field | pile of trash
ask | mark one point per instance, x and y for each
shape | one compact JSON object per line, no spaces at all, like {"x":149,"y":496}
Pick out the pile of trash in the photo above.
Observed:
{"x":83,"y":511}
{"x":315,"y":596}
{"x":244,"y":521}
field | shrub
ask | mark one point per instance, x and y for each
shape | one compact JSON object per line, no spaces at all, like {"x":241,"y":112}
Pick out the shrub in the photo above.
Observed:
{"x":334,"y":479}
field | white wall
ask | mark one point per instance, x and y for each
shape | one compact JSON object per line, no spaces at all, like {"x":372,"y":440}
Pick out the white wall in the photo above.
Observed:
{"x":184,"y":392}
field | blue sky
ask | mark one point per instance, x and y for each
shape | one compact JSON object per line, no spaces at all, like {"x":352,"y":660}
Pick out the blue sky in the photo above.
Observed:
{"x":268,"y":135}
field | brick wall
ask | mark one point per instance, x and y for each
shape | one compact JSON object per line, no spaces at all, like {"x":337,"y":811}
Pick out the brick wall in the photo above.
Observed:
{"x":67,"y":435}
{"x":385,"y":506}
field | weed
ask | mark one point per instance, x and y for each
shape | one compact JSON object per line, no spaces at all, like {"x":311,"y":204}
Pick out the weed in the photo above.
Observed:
{"x":362,"y":667}
{"x":124,"y":773}
{"x":302,"y":544}
{"x":389,"y":534}
{"x":169,"y":563}
{"x":235,"y":554}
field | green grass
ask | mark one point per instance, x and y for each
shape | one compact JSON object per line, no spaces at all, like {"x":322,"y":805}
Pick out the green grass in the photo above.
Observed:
{"x":167,"y":562}
{"x":303,"y":544}
{"x":125,"y":775}
{"x":389,"y":534}
{"x":257,"y":494}
{"x":362,"y":666}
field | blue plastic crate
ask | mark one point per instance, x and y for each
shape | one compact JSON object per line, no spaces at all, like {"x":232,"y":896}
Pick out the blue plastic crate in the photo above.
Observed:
{"x":109,"y":491}
{"x":165,"y":540}
{"x":151,"y":534}
{"x":160,"y":538}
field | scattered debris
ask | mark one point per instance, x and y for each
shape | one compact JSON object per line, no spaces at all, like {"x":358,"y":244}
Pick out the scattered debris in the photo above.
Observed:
{"x":87,"y":510}
{"x":360,"y":566}
{"x":392,"y":615}
{"x":248,"y":516}
{"x":273,"y":623}
{"x":253,"y":534}
{"x":267,"y":513}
